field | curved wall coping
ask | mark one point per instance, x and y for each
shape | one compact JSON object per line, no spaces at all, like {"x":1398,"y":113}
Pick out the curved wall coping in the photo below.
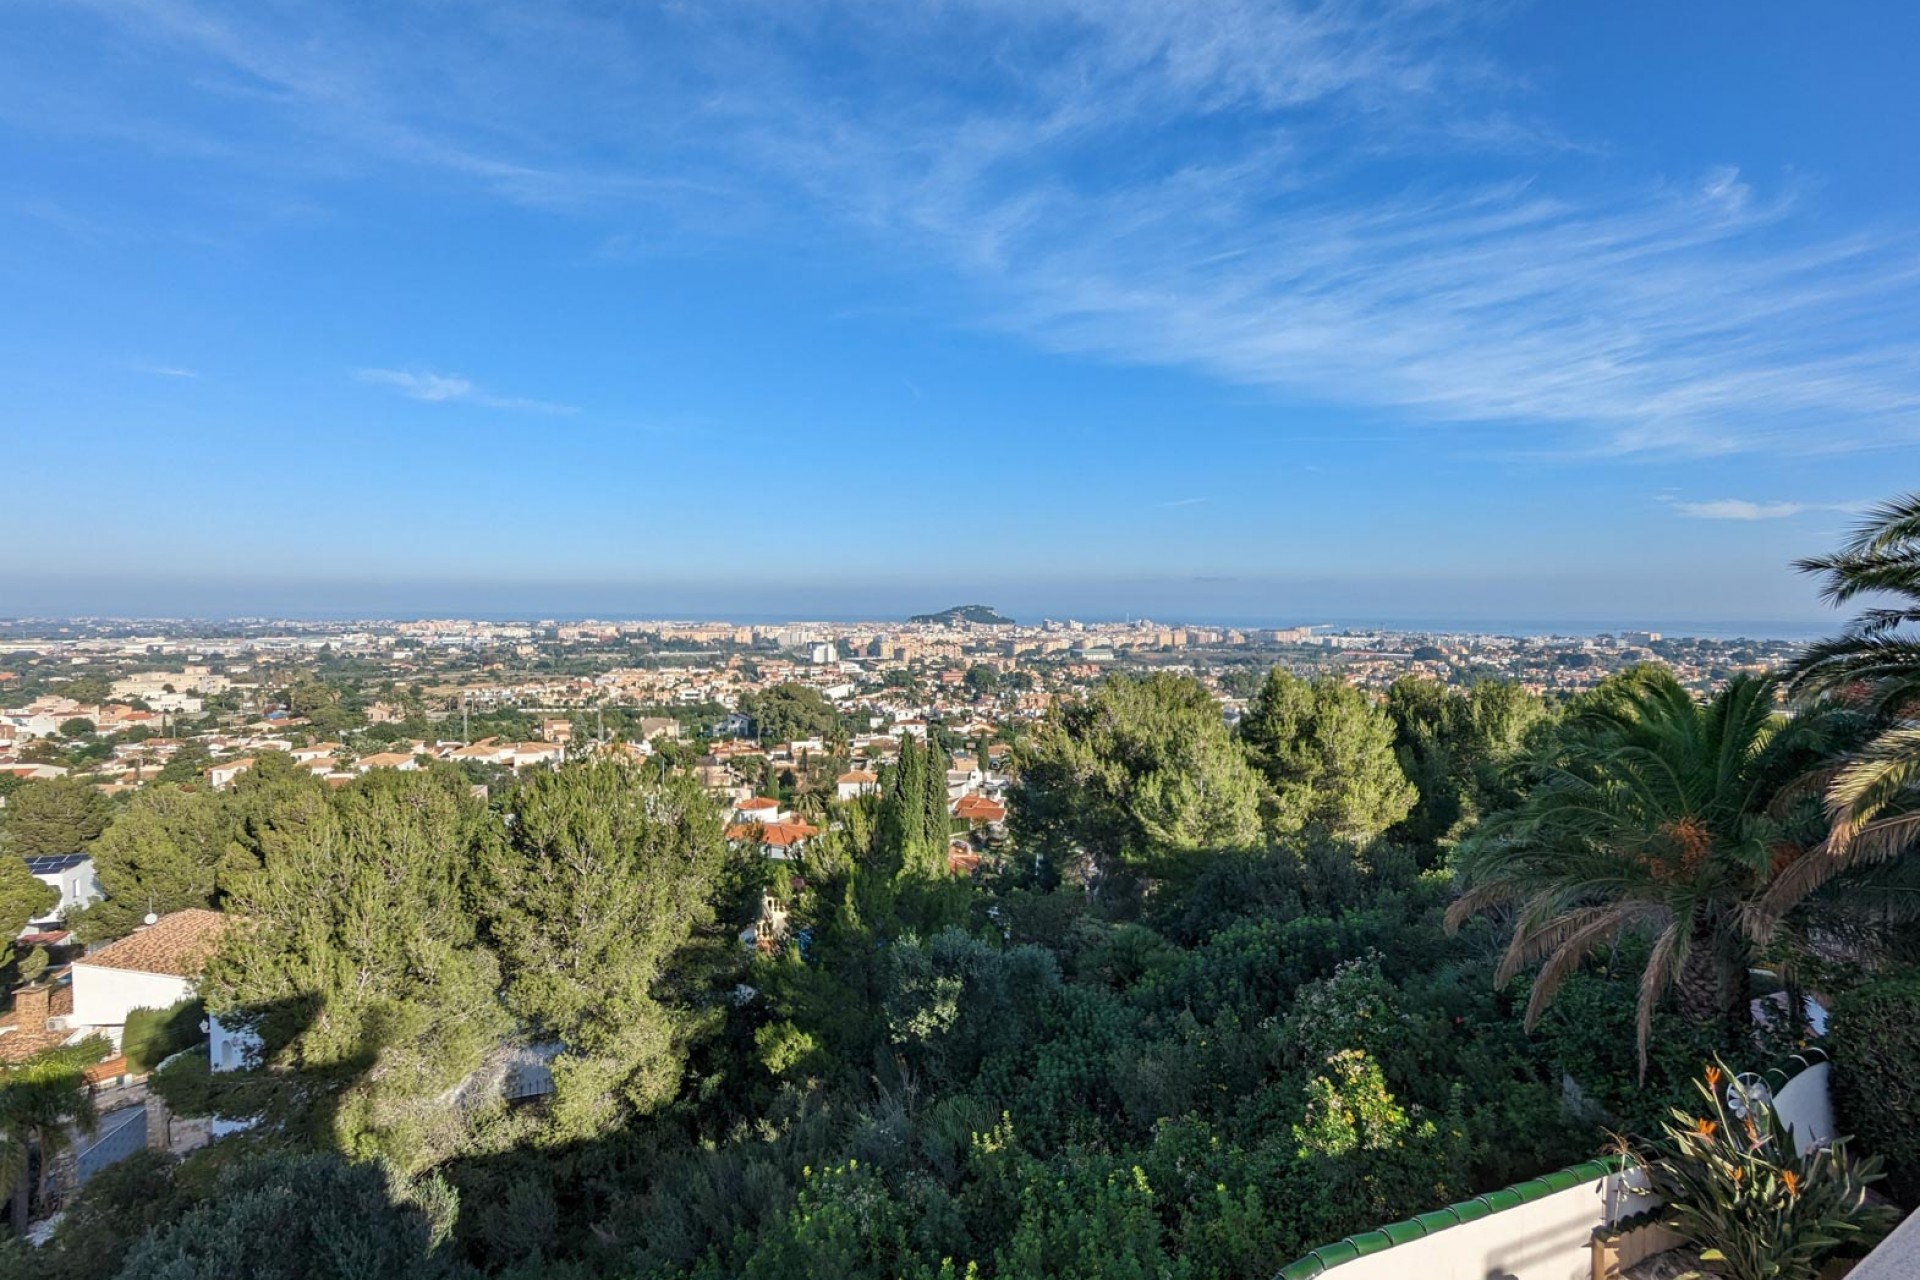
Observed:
{"x":1317,"y":1261}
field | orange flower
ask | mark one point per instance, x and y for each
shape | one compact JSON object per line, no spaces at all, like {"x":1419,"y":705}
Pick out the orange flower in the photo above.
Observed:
{"x":1738,"y":1173}
{"x":1713,"y":1076}
{"x":1792,"y":1180}
{"x":1705,"y":1128}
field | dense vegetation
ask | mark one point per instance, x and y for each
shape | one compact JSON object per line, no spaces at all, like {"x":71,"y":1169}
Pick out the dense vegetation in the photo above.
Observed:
{"x":1221,"y":999}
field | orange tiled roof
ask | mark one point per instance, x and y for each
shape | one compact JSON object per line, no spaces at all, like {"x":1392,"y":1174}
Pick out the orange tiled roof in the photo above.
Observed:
{"x":105,"y":1069}
{"x":978,"y":809}
{"x":178,"y":944}
{"x":777,"y":834}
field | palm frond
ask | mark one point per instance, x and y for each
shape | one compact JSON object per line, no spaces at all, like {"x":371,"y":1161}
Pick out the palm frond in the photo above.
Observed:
{"x":1573,"y":951}
{"x":1546,"y":934}
{"x":1886,"y":525}
{"x":1812,"y":784}
{"x":1880,"y":774}
{"x":1668,"y":951}
{"x":1477,"y":899}
{"x":1844,"y":661}
{"x":1878,"y":841}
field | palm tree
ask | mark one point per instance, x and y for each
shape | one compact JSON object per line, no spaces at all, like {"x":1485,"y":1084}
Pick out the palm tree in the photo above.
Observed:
{"x":43,"y":1101}
{"x":1874,"y":668}
{"x":1655,"y":819}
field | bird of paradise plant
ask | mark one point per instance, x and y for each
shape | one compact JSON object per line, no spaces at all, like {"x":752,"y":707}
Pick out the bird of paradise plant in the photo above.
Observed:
{"x":1736,"y":1187}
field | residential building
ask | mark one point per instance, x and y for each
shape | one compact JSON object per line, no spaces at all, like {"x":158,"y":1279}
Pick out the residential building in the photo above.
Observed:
{"x":857,"y":782}
{"x":154,"y":968}
{"x":73,"y":877}
{"x":220,"y":776}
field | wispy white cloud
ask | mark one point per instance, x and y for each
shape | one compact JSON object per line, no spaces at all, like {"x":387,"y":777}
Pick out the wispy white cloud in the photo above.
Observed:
{"x":1745,"y":509}
{"x":1261,"y":190}
{"x":1739,"y":509}
{"x":452,"y":388}
{"x":164,"y":370}
{"x":1185,"y":502}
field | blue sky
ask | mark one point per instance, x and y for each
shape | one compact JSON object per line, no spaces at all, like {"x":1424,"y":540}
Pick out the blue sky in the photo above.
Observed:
{"x":1240,"y":308}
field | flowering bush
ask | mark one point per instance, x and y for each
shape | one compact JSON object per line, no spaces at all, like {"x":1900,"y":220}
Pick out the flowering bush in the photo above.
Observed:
{"x":1735,"y":1187}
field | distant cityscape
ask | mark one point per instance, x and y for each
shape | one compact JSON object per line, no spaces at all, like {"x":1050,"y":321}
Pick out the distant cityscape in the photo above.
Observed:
{"x":116,"y":700}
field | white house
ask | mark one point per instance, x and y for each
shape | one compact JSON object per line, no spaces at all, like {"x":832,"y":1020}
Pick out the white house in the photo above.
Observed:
{"x":73,"y":876}
{"x":220,"y":776}
{"x":759,"y":809}
{"x":486,"y":751}
{"x":781,"y":841}
{"x":34,"y":724}
{"x":230,"y":1048}
{"x":398,"y":760}
{"x":528,"y":754}
{"x":857,"y":782}
{"x":155,"y":968}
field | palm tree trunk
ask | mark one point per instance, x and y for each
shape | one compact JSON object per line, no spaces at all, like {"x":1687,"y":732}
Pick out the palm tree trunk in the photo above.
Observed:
{"x":1714,"y":987}
{"x":1703,"y":997}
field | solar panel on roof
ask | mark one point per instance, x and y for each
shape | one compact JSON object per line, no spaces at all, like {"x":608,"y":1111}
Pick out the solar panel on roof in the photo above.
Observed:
{"x":46,"y":866}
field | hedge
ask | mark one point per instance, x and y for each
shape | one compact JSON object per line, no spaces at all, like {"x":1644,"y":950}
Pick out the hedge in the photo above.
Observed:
{"x":1875,"y":1037}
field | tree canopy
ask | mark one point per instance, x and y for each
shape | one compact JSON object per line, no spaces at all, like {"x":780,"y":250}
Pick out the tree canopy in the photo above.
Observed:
{"x":605,"y":876}
{"x":1462,"y":749}
{"x":790,"y":712}
{"x":52,"y":816}
{"x":1326,"y":754}
{"x":357,"y":959}
{"x":1138,"y":772}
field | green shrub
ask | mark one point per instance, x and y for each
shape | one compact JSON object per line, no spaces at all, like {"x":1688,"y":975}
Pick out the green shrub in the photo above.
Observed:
{"x":154,"y":1035}
{"x":1875,"y":1034}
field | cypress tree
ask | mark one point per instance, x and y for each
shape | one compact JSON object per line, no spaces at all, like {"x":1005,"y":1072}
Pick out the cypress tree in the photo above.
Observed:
{"x":909,"y":785}
{"x":934,"y":808}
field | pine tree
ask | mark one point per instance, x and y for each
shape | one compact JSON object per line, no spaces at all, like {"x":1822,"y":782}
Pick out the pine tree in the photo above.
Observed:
{"x":358,"y":960}
{"x":605,"y":876}
{"x":49,"y":817}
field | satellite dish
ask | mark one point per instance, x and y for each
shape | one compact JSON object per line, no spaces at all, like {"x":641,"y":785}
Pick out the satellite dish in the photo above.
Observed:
{"x":152,"y":918}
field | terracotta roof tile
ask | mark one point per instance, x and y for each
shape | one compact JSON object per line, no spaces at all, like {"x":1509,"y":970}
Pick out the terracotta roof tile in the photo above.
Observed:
{"x":178,"y":944}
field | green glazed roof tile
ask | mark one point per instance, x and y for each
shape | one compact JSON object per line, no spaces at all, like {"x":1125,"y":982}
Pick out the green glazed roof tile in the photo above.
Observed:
{"x":1370,"y":1242}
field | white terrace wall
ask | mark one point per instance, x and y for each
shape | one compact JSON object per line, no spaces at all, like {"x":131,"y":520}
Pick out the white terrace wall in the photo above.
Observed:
{"x":1546,"y":1239}
{"x":1550,"y":1237}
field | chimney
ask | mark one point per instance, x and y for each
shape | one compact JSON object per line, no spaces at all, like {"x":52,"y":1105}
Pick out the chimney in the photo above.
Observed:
{"x":30,"y":1009}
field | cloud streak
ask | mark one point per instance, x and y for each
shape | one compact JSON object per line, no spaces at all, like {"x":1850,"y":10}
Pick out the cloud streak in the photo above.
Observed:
{"x":451,"y":388}
{"x":1746,"y":509}
{"x":1195,"y":186}
{"x":1739,"y":509}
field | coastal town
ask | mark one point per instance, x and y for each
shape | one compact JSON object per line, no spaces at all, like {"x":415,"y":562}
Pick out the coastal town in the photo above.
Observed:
{"x":122,"y":703}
